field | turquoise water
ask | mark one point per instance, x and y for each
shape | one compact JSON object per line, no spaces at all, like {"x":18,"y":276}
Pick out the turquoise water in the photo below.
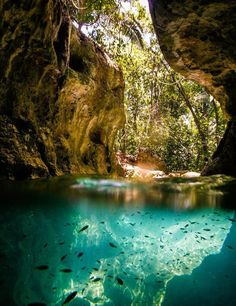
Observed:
{"x":93,"y":241}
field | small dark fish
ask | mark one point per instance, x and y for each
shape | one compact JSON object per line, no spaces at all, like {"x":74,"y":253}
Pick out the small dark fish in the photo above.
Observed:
{"x":62,"y":242}
{"x":110,"y":276}
{"x":95,"y":269}
{"x":230,"y":247}
{"x":66,"y":270}
{"x":80,"y":254}
{"x":63,"y":257}
{"x":206,"y":229}
{"x":37,"y":304}
{"x":203,"y":238}
{"x":159,"y":281}
{"x":119,"y":281}
{"x":132,"y":224}
{"x":102,"y":222}
{"x":45,"y":245}
{"x":83,"y":228}
{"x":232,"y":220}
{"x":42,"y":267}
{"x":83,"y":268}
{"x":70,"y":297}
{"x":112,"y":245}
{"x":97,"y":279}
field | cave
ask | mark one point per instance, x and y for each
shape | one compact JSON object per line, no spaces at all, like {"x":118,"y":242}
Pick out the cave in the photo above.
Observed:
{"x":82,"y":220}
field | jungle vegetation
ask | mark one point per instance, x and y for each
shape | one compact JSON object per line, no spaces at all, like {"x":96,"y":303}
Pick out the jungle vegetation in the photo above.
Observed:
{"x":172,"y":117}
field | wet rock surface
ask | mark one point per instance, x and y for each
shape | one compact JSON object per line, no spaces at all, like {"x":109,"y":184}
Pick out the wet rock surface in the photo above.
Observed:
{"x":61,"y":95}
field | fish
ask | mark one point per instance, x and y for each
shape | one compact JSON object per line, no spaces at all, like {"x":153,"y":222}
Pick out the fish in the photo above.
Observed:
{"x":63,"y":257}
{"x":102,"y":222}
{"x":206,"y":229}
{"x":112,"y":245}
{"x":66,"y":270}
{"x":97,"y":279}
{"x":45,"y":245}
{"x":83,"y":228}
{"x":119,"y":281}
{"x":232,"y":220}
{"x":62,"y":242}
{"x":37,"y":304}
{"x":83,"y":268}
{"x":80,"y":254}
{"x":42,"y":267}
{"x":95,"y":269}
{"x":70,"y":297}
{"x":132,"y":224}
{"x":230,"y":247}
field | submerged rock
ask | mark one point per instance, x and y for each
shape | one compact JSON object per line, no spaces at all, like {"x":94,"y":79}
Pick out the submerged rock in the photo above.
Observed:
{"x":198,"y":39}
{"x":61,"y":95}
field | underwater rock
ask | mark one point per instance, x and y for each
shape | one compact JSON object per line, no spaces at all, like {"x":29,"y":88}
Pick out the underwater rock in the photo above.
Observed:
{"x":198,"y":40}
{"x":137,"y":267}
{"x":61,"y":95}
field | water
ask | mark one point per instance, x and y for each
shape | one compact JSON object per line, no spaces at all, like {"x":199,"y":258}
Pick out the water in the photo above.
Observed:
{"x":103,"y":242}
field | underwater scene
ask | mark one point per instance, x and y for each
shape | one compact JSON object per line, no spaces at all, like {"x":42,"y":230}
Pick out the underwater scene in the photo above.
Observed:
{"x":97,"y":241}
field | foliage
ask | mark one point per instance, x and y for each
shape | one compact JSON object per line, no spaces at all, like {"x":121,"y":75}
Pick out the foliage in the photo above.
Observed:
{"x":174,"y":117}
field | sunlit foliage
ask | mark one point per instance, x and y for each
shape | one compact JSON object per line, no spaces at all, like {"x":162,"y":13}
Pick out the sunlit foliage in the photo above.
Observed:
{"x":175,"y":118}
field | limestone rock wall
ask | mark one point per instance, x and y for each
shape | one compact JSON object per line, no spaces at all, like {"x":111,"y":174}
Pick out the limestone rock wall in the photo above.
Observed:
{"x":61,"y":96}
{"x":198,"y":39}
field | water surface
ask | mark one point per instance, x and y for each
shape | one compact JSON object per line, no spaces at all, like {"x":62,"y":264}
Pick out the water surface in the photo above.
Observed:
{"x":103,"y":242}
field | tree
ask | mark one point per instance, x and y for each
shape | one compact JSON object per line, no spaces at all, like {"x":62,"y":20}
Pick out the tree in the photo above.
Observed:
{"x":164,"y":111}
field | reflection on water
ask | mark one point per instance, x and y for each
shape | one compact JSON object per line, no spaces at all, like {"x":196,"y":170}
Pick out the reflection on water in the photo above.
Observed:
{"x":103,"y":242}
